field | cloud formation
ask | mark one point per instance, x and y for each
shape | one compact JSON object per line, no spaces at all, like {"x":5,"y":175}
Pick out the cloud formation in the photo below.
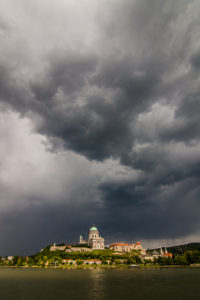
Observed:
{"x":106,"y":96}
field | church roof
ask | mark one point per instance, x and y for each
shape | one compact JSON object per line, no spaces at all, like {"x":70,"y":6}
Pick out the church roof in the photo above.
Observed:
{"x":93,"y":228}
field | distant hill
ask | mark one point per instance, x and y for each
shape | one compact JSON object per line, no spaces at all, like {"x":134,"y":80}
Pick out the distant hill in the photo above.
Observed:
{"x":180,"y":249}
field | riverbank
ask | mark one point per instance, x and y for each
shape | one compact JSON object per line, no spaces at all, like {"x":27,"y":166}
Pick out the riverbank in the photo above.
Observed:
{"x":89,"y":267}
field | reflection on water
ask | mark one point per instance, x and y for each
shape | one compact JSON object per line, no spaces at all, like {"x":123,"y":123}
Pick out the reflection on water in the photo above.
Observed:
{"x":97,"y":290}
{"x":98,"y":284}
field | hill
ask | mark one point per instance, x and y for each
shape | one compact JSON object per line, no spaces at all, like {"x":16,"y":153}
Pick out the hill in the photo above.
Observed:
{"x":180,"y":249}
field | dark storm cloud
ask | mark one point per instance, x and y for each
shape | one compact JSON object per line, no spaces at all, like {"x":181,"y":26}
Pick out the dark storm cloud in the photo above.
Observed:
{"x":43,"y":227}
{"x":131,"y":95}
{"x":195,"y":60}
{"x":186,"y":126}
{"x":91,"y":124}
{"x":145,"y":210}
{"x":129,"y":83}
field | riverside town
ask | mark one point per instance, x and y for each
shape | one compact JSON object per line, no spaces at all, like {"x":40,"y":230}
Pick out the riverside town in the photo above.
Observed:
{"x":92,"y":252}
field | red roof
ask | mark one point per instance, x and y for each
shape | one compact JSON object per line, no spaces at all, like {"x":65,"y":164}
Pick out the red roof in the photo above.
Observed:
{"x":119,"y":244}
{"x":168,"y":254}
{"x":92,"y":260}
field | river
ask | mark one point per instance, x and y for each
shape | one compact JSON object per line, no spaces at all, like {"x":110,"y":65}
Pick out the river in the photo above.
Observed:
{"x":99,"y":284}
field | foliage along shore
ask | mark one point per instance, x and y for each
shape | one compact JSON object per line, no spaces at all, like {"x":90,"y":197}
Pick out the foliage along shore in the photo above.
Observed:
{"x":97,"y":259}
{"x":103,"y":267}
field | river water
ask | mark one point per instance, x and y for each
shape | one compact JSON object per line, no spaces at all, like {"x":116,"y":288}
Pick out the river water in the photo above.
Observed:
{"x":99,"y":284}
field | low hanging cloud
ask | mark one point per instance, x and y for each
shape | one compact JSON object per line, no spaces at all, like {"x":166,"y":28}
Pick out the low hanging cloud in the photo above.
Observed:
{"x":106,"y":95}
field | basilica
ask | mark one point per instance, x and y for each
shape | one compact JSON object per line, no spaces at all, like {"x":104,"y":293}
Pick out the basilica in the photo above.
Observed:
{"x":94,"y":239}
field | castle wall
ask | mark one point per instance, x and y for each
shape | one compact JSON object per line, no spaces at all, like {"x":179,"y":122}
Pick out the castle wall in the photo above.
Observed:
{"x":120,"y":247}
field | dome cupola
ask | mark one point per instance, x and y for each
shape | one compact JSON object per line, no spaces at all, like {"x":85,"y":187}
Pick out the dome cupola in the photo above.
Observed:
{"x":93,"y":228}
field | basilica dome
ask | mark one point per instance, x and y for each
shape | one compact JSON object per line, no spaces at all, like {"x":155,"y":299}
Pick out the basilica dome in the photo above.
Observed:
{"x":93,"y":228}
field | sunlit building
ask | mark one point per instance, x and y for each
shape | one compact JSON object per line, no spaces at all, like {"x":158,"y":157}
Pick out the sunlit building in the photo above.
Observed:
{"x":94,"y":239}
{"x":120,"y":247}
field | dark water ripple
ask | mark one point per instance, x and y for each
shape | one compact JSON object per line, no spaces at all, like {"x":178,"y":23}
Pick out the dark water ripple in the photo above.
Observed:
{"x":150,"y":284}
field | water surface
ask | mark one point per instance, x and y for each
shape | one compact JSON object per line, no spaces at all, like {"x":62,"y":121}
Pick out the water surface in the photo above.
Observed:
{"x":98,"y":284}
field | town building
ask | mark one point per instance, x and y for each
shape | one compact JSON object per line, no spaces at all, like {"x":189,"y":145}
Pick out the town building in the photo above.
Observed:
{"x":148,"y":257}
{"x":165,"y":253}
{"x":10,"y":258}
{"x":156,"y":254}
{"x":120,"y":247}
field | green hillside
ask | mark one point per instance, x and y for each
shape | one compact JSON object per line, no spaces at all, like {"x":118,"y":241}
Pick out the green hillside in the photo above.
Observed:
{"x":180,"y":249}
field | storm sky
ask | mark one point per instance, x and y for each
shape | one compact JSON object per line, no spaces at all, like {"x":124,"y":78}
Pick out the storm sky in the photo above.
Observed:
{"x":99,"y":122}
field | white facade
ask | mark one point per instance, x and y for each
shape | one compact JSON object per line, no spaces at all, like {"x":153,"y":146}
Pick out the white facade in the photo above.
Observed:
{"x":94,"y":239}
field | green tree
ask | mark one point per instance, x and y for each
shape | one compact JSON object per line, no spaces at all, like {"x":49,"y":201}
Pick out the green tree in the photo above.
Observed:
{"x":180,"y":260}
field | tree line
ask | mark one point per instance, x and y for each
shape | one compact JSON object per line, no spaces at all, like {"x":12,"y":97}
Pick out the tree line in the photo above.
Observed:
{"x":56,"y":258}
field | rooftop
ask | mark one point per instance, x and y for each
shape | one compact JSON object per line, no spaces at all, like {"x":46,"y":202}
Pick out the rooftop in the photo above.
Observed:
{"x":93,"y":228}
{"x":119,"y":244}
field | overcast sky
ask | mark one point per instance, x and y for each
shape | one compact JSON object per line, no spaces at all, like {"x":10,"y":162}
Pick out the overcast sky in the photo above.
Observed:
{"x":99,"y":122}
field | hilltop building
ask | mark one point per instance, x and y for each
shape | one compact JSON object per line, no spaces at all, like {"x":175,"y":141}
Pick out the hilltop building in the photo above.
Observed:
{"x":94,"y":239}
{"x":55,"y":247}
{"x":68,"y":248}
{"x":120,"y":247}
